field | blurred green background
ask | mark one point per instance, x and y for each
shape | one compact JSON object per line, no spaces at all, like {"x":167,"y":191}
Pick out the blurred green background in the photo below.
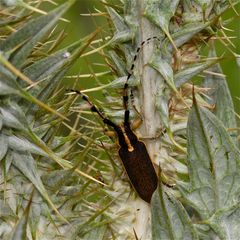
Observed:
{"x":82,"y":25}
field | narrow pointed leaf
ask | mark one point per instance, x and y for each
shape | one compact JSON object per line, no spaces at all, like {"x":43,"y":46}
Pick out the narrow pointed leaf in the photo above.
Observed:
{"x":169,"y":218}
{"x":187,"y":32}
{"x":164,"y":68}
{"x":123,"y":32}
{"x":5,"y":89}
{"x":51,"y":64}
{"x":162,"y":107}
{"x":21,"y":144}
{"x":160,"y":12}
{"x":13,"y":116}
{"x":56,"y":179}
{"x":3,"y":146}
{"x":117,"y":20}
{"x":118,"y":63}
{"x":31,"y":33}
{"x":183,"y":76}
{"x":10,"y":120}
{"x":26,"y":164}
{"x":1,"y":121}
{"x":225,"y":223}
{"x":97,"y":233}
{"x":213,"y":163}
{"x":7,"y":81}
{"x":219,"y":94}
{"x":20,"y":231}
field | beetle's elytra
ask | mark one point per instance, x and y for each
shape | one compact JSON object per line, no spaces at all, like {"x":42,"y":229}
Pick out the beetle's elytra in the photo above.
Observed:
{"x":139,"y":168}
{"x":135,"y":159}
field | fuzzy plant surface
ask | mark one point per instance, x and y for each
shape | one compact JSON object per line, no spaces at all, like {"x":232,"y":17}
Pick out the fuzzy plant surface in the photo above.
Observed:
{"x":61,"y":176}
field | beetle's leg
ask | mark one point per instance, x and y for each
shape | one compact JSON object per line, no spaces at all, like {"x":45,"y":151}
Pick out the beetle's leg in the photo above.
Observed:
{"x":160,"y":134}
{"x":94,"y":109}
{"x":109,"y":133}
{"x":136,"y":123}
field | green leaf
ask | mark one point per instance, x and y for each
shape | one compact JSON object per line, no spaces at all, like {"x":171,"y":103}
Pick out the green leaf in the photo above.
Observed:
{"x":6,"y":89}
{"x":22,"y":144}
{"x":225,"y":223}
{"x":1,"y":122}
{"x":119,"y":64}
{"x":51,"y":64}
{"x":219,"y":94}
{"x":7,"y":81}
{"x":20,"y":231}
{"x":115,"y":84}
{"x":169,"y":218}
{"x":56,"y":179}
{"x":183,"y":76}
{"x":3,"y":145}
{"x":6,"y":210}
{"x":123,"y":32}
{"x":8,"y":161}
{"x":26,"y":164}
{"x":188,"y":31}
{"x":97,"y":233}
{"x":162,"y":107}
{"x":213,"y":163}
{"x":30,"y":34}
{"x":10,"y":119}
{"x":164,"y":68}
{"x":13,"y":116}
{"x":160,"y":13}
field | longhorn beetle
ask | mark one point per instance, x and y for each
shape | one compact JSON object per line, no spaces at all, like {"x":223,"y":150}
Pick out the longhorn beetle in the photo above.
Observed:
{"x":132,"y":151}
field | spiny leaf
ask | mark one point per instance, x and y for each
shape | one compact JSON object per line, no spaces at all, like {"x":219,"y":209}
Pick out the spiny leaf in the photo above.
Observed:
{"x":51,"y":64}
{"x":10,"y":119}
{"x":1,"y":122}
{"x":11,"y":68}
{"x":7,"y":82}
{"x":20,"y":231}
{"x":123,"y":32}
{"x":187,"y":32}
{"x":115,"y":84}
{"x":118,"y":63}
{"x":162,"y":107}
{"x":225,"y":223}
{"x":21,"y":144}
{"x":6,"y":89}
{"x":30,"y":34}
{"x":80,"y":229}
{"x":219,"y":94}
{"x":3,"y":146}
{"x":160,"y":13}
{"x":57,"y":178}
{"x":26,"y":164}
{"x":169,"y":218}
{"x":59,"y":64}
{"x":213,"y":163}
{"x":183,"y":76}
{"x":6,"y":210}
{"x":97,"y":233}
{"x":164,"y":68}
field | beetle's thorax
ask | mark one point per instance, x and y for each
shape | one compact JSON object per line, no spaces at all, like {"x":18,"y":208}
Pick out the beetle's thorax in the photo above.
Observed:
{"x":126,"y":138}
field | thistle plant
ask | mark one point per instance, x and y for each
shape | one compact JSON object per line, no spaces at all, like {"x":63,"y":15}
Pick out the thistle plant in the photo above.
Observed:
{"x":61,"y":176}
